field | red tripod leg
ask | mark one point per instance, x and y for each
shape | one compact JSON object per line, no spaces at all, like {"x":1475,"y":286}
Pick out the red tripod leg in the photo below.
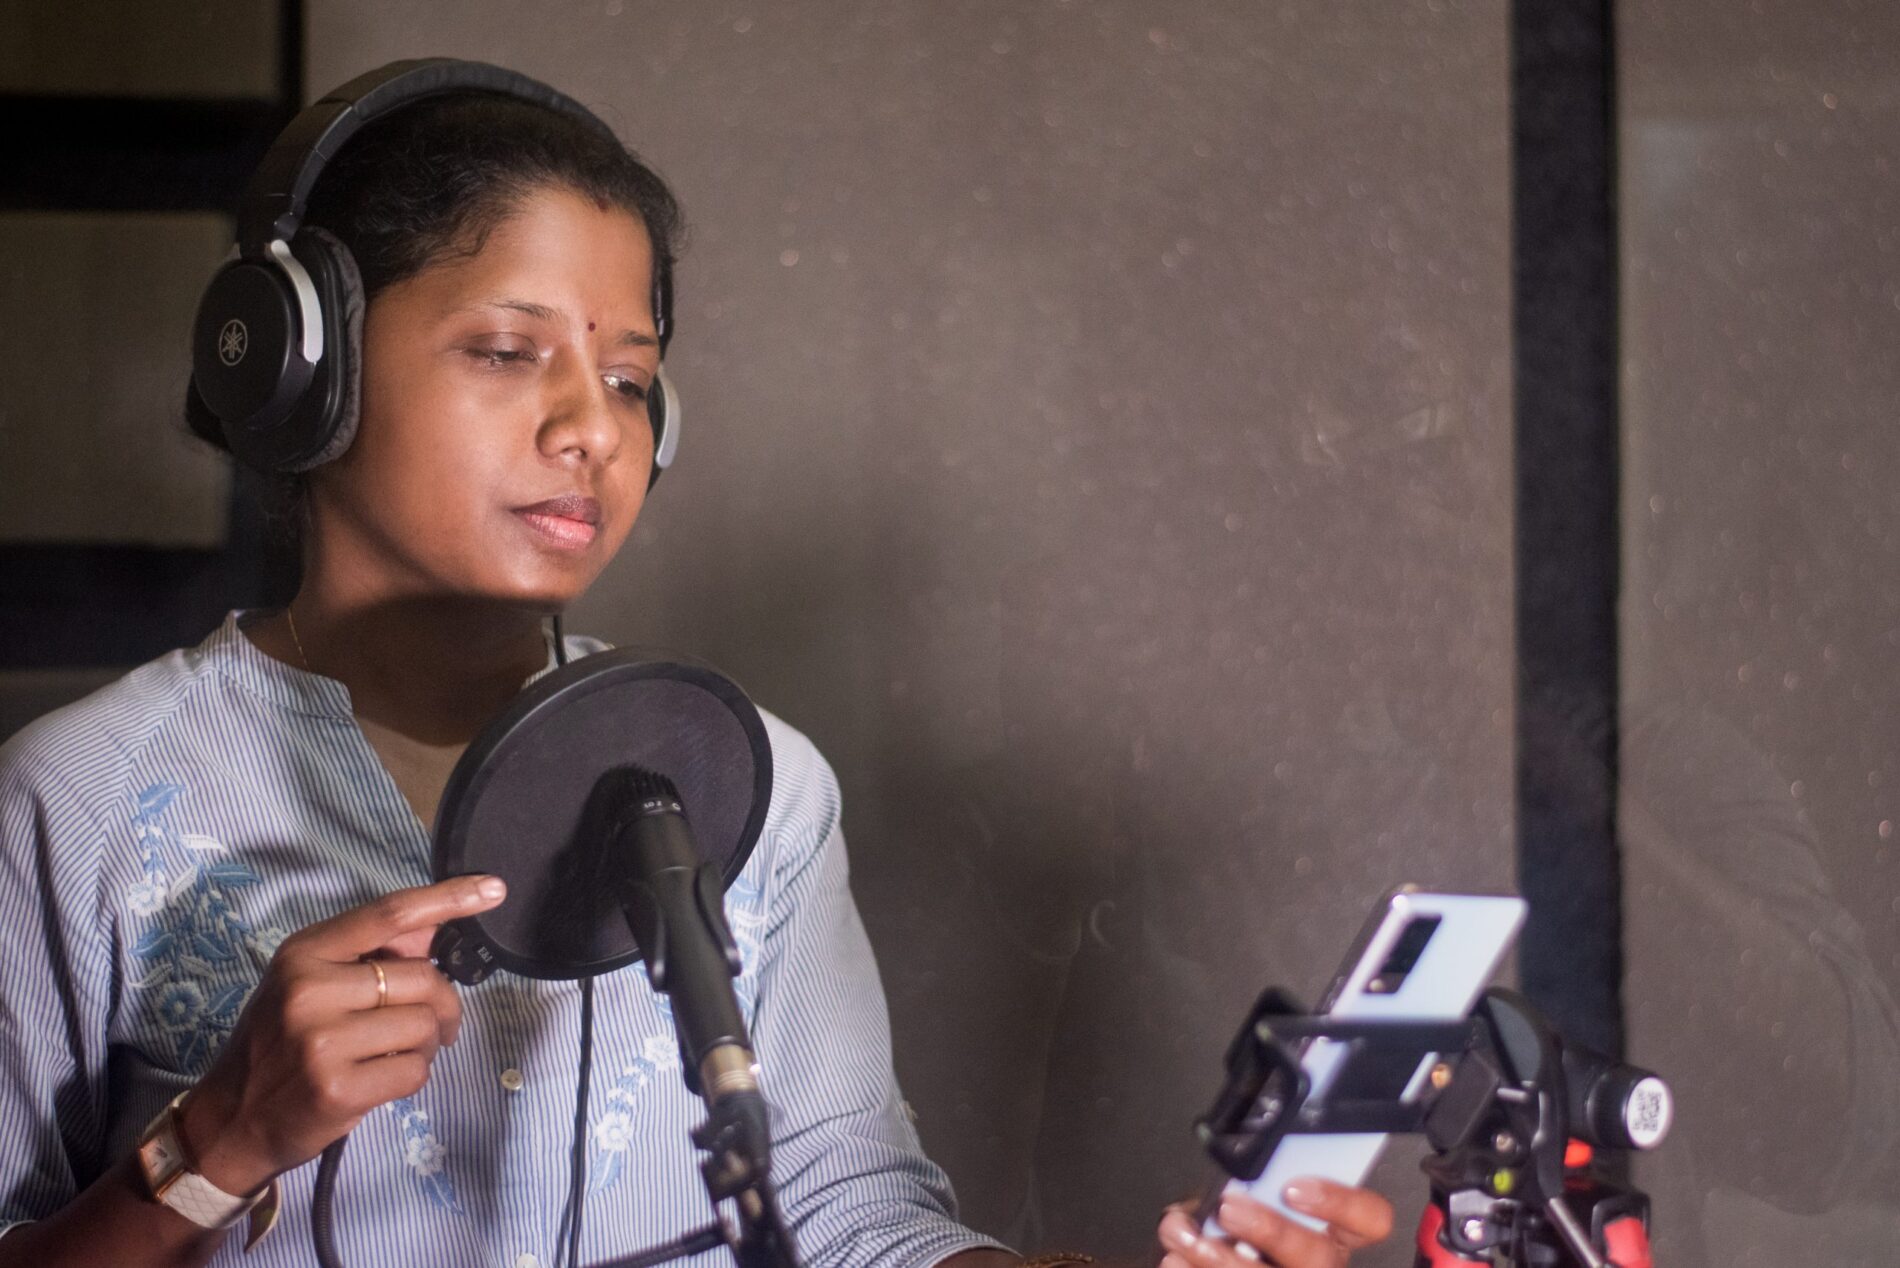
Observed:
{"x":1432,"y":1251}
{"x":1626,"y":1241}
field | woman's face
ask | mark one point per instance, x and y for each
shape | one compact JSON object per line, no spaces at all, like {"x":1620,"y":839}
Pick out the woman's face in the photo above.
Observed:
{"x":504,"y":446}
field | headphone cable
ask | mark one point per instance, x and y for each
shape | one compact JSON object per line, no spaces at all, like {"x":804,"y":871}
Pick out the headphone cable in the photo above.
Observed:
{"x":577,"y":1157}
{"x":577,"y":1160}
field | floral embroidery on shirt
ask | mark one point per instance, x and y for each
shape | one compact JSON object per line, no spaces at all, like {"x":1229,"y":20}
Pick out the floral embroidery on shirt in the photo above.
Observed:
{"x":424,"y":1154}
{"x":196,"y":948}
{"x":613,"y":1126}
{"x":745,"y":914}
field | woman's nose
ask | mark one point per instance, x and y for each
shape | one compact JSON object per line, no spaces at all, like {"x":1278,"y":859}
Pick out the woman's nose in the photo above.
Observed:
{"x":581,"y":423}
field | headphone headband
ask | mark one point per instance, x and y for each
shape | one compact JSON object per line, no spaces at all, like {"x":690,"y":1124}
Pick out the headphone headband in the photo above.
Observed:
{"x":279,"y":191}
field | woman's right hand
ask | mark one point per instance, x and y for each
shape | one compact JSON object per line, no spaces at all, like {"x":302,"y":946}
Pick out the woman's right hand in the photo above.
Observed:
{"x":317,"y":1046}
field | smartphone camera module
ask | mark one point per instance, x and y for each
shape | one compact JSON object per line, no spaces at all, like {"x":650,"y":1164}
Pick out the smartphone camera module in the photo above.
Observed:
{"x":1404,"y":956}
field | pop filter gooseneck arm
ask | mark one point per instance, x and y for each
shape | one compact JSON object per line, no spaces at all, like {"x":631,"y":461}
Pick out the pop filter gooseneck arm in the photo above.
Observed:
{"x":545,"y":799}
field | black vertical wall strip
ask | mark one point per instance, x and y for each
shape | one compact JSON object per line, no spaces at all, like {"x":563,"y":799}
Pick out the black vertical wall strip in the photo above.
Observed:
{"x":1564,"y":329}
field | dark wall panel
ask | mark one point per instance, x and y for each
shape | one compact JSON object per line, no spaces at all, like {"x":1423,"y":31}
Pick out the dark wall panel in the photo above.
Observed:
{"x":1098,"y":440}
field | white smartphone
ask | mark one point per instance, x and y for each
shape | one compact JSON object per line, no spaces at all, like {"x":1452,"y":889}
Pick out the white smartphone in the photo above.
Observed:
{"x":1421,"y":957}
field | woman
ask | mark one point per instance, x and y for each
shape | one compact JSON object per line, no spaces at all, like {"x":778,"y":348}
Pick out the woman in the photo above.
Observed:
{"x":162,"y":840}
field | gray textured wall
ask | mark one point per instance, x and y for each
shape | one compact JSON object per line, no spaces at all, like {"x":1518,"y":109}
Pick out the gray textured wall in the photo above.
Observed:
{"x":1761,"y":627}
{"x":1098,"y":440}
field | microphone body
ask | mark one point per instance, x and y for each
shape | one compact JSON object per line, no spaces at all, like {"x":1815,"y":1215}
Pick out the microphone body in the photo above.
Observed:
{"x":673,"y":900}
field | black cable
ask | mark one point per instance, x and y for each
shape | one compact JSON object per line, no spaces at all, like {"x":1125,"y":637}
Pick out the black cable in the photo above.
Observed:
{"x":577,"y":1157}
{"x":577,"y":1160}
{"x":323,"y":1204}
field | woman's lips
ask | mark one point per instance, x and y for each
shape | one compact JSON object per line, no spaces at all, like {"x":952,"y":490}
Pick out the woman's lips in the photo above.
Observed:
{"x":569,"y":521}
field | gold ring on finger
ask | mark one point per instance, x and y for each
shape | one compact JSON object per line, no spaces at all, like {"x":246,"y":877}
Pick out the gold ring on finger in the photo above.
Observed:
{"x":382,"y":983}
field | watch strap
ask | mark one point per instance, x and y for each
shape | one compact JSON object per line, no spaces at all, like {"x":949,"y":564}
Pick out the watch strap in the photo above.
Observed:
{"x":171,"y":1174}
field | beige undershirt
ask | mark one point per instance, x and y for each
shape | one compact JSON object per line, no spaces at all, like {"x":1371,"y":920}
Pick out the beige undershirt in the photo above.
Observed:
{"x":421,"y":771}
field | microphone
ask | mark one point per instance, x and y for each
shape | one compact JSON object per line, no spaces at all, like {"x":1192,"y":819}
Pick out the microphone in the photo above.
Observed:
{"x":670,"y":896}
{"x":560,"y":796}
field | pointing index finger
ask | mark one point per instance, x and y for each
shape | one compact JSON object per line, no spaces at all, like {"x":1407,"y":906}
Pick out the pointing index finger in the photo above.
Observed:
{"x":360,"y":930}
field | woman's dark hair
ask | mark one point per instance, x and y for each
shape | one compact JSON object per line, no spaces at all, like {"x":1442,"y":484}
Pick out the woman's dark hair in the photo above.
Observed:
{"x":435,"y":177}
{"x":432,"y":180}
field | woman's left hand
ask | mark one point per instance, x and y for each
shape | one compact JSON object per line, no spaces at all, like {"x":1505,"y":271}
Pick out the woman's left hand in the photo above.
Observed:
{"x":1354,"y":1218}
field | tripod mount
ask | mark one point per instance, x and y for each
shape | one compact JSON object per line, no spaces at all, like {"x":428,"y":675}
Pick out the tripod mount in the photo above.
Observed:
{"x":1527,"y":1135}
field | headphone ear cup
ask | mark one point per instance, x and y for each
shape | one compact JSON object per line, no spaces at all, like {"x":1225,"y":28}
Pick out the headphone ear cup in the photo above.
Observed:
{"x":280,"y":411}
{"x":247,"y":363}
{"x":663,"y":412}
{"x":324,"y":420}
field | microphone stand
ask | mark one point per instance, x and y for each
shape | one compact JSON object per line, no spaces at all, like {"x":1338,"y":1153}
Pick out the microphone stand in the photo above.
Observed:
{"x":1517,"y":1187}
{"x":736,"y":1170}
{"x":1510,"y":1185}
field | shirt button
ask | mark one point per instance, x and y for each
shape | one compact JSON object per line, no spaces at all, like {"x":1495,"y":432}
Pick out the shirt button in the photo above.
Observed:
{"x":524,"y":1259}
{"x":512,"y":1080}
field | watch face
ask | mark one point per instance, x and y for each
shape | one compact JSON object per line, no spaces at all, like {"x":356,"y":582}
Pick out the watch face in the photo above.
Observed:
{"x":173,"y":1183}
{"x":159,"y":1157}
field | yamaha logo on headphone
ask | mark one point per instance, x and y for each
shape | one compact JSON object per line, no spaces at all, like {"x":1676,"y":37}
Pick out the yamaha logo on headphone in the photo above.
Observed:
{"x":232,"y":341}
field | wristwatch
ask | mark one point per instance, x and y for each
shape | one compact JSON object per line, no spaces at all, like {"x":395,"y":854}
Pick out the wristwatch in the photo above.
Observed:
{"x":171,"y":1174}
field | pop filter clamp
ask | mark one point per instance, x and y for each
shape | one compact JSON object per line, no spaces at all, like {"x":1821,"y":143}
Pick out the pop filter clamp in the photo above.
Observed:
{"x":578,"y":797}
{"x":1525,"y":1132}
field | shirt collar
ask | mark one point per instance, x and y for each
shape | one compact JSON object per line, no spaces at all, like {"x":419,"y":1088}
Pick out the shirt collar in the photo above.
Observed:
{"x":235,"y":656}
{"x":232,"y":653}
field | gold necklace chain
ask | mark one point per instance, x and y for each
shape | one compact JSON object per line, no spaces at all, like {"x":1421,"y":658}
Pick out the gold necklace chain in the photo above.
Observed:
{"x":291,"y":617}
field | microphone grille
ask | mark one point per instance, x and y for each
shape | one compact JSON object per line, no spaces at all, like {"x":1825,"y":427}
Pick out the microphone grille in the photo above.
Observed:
{"x":643,"y":783}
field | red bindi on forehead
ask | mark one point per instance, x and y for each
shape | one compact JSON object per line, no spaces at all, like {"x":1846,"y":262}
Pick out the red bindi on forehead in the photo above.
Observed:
{"x":590,"y":325}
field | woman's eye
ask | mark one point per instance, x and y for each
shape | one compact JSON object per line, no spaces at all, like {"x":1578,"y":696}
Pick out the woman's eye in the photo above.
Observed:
{"x":630,"y":388}
{"x":500,"y":356}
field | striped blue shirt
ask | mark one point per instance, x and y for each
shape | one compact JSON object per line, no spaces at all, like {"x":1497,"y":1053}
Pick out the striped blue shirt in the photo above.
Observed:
{"x":160,"y":838}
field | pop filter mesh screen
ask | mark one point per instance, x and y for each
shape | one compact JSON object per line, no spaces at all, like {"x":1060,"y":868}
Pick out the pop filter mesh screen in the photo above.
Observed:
{"x":519,"y":812}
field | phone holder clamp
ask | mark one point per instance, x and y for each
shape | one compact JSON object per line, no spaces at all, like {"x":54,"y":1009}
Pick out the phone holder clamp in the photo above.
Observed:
{"x":1268,"y":1095}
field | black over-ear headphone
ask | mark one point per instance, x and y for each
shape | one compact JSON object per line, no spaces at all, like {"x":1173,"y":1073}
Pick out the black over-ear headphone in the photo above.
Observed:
{"x":276,"y":351}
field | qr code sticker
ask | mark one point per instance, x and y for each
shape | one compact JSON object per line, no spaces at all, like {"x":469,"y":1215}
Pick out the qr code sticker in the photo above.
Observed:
{"x":1648,"y":1113}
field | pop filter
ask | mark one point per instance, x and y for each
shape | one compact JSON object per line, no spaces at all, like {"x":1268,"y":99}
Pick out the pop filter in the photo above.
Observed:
{"x":520,"y":805}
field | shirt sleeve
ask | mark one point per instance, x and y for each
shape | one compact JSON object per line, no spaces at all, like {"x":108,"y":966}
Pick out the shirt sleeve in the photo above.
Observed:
{"x":852,"y":1177}
{"x":55,"y":982}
